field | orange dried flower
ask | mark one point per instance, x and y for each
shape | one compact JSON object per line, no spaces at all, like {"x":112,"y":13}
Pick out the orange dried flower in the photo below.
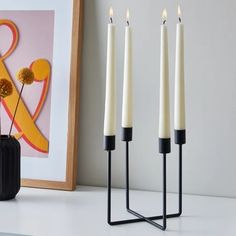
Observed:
{"x":25,"y":76}
{"x":6,"y":88}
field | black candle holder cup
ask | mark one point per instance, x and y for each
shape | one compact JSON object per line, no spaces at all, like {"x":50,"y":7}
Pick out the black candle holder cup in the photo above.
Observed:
{"x":10,"y":154}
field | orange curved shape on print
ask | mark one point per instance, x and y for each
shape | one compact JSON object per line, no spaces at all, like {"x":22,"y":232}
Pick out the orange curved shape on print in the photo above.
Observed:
{"x":15,"y":36}
{"x":42,"y":72}
{"x":23,"y":120}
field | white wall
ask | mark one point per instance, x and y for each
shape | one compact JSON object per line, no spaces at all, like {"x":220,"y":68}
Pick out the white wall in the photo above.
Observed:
{"x":210,"y":55}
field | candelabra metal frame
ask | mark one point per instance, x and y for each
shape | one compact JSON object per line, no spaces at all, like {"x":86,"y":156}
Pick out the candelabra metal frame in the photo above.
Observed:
{"x":164,"y":148}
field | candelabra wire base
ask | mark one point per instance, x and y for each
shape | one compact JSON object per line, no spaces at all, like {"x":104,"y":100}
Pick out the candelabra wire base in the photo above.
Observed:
{"x":141,"y":218}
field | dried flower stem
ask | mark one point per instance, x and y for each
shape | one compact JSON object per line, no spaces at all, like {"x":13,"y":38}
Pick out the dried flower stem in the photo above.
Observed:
{"x":17,"y":104}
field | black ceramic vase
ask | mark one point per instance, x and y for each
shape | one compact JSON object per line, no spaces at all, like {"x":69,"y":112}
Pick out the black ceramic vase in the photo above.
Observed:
{"x":9,"y":167}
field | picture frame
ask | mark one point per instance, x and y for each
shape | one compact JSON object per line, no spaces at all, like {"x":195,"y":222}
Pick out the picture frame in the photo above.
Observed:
{"x":58,"y":169}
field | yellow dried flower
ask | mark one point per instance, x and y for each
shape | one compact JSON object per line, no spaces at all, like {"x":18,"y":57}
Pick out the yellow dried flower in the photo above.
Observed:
{"x":25,"y":76}
{"x":6,"y":88}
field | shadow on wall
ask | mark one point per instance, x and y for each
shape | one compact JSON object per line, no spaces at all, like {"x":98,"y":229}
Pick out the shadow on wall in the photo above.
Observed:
{"x":91,"y":92}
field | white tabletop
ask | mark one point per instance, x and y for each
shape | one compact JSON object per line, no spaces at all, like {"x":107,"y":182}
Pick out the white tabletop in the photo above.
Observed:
{"x":83,"y":213}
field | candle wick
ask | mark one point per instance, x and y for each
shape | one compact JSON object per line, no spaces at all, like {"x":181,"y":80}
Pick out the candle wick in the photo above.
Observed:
{"x":127,"y":22}
{"x":180,"y":20}
{"x":111,"y":20}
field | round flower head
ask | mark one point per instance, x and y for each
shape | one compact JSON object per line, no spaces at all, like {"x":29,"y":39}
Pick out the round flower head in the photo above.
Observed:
{"x":25,"y":76}
{"x":6,"y":88}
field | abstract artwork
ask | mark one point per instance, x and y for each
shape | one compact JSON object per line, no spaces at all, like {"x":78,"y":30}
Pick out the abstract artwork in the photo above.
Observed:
{"x":27,"y":41}
{"x":44,"y":36}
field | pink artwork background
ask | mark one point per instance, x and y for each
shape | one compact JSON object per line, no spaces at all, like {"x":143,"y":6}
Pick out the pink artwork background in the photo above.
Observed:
{"x":36,"y":30}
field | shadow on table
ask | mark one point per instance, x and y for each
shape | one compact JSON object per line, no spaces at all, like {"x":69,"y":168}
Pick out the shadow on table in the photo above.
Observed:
{"x":9,"y":234}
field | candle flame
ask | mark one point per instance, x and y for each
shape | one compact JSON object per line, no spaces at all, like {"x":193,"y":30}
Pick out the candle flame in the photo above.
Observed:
{"x":127,"y":15}
{"x":111,"y":13}
{"x":164,"y":15}
{"x":179,"y":11}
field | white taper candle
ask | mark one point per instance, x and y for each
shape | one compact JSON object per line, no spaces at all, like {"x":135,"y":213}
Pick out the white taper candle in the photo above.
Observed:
{"x":127,"y":106}
{"x":179,"y":111}
{"x":164,"y":112}
{"x":110,"y":100}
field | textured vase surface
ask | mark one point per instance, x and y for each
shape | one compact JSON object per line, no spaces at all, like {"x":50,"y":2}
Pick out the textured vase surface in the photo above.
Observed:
{"x":9,"y":167}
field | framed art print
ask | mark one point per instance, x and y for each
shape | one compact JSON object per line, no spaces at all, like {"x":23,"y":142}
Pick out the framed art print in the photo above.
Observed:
{"x":44,"y":36}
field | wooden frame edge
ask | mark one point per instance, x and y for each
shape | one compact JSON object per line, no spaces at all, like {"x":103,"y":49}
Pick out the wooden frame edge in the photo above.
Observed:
{"x":73,"y":114}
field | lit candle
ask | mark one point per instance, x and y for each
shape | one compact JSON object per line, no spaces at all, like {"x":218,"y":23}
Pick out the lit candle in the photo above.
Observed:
{"x":127,"y":106}
{"x":179,"y":117}
{"x":164,"y":112}
{"x":110,"y":100}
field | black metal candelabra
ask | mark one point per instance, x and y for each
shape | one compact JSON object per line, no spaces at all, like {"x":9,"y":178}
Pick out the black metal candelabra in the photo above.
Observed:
{"x":164,"y":149}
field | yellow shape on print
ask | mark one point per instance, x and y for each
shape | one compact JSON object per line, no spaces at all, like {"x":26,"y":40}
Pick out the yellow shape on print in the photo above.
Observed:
{"x":23,"y":120}
{"x":41,"y":69}
{"x":42,"y":72}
